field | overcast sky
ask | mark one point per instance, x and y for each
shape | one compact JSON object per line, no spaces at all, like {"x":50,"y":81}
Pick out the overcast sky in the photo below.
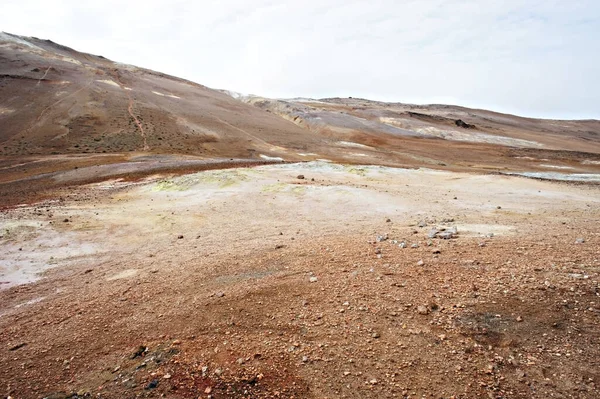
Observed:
{"x":529,"y":57}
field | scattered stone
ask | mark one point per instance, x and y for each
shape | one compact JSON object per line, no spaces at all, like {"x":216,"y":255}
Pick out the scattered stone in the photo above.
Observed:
{"x":498,"y":207}
{"x":151,"y":385}
{"x":313,"y":279}
{"x":375,"y":335}
{"x":436,"y":251}
{"x":208,"y":390}
{"x":382,"y":238}
{"x":301,"y":177}
{"x":167,"y":376}
{"x":482,"y":244}
{"x":445,"y":235}
{"x":180,"y":237}
{"x":420,"y":263}
{"x":422,"y":310}
{"x":519,"y":319}
{"x":579,"y":241}
{"x":388,"y":220}
{"x":304,"y":359}
{"x":402,"y":244}
{"x":422,"y":224}
{"x":489,"y":235}
{"x":279,"y":246}
{"x":415,"y":245}
{"x":220,"y":294}
{"x":66,"y":221}
{"x":432,"y":233}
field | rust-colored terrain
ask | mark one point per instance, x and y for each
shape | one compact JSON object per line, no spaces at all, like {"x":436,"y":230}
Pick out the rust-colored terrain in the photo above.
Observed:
{"x":162,"y":239}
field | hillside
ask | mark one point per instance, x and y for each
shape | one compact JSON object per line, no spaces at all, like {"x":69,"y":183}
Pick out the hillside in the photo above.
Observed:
{"x":161,"y":239}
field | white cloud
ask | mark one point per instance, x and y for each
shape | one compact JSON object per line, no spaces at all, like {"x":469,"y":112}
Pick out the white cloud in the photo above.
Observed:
{"x":531,"y":57}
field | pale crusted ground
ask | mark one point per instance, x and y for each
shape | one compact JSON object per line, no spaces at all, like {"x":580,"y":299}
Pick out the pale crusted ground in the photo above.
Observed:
{"x":211,"y":274}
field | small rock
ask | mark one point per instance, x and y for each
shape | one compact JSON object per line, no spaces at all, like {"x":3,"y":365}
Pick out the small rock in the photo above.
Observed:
{"x":180,"y":237}
{"x":152,"y":384}
{"x":220,"y":294}
{"x":402,"y":244}
{"x":208,"y":390}
{"x":422,"y":224}
{"x":167,"y":376}
{"x":313,"y":279}
{"x":579,"y":276}
{"x":388,"y":220}
{"x":519,"y":319}
{"x":415,"y":246}
{"x":436,"y":251}
{"x":446,"y":235}
{"x":218,"y":372}
{"x":301,"y":177}
{"x":420,"y":263}
{"x":432,"y":233}
{"x":579,"y":241}
{"x":498,"y":207}
{"x":139,"y":352}
{"x":422,"y":310}
{"x":375,"y":335}
{"x":373,"y":381}
{"x":304,"y":359}
{"x":382,"y":238}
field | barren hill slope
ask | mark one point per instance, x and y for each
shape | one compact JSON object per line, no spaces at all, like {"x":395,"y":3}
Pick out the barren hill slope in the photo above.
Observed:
{"x":61,"y":109}
{"x":55,"y":100}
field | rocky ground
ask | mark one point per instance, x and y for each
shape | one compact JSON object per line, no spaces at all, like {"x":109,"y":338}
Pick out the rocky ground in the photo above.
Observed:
{"x":308,"y":280}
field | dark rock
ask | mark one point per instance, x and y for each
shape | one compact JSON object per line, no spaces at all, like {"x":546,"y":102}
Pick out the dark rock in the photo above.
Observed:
{"x":18,"y":346}
{"x":139,"y":352}
{"x":463,"y":124}
{"x":301,"y":177}
{"x":152,"y":384}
